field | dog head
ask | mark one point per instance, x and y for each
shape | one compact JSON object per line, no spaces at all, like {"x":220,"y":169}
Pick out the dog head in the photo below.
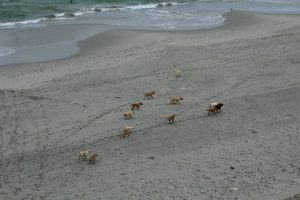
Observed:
{"x":181,"y":98}
{"x":94,"y":155}
{"x":219,"y":105}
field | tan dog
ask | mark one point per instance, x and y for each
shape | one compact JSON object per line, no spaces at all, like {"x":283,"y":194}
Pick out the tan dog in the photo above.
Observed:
{"x":92,"y":159}
{"x":178,"y":72}
{"x":171,"y":119}
{"x":127,"y":130}
{"x":128,"y":115}
{"x":83,"y":154}
{"x":214,"y":108}
{"x":175,"y":99}
{"x":136,"y":105}
{"x":149,"y":95}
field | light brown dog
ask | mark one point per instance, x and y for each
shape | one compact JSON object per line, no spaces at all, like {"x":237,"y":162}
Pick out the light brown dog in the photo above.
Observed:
{"x":127,"y":130}
{"x":149,"y":95}
{"x":128,"y":115}
{"x":171,"y":119}
{"x":83,"y":154}
{"x":214,"y":108}
{"x":178,"y":72}
{"x":92,"y":159}
{"x":136,"y":105}
{"x":175,"y":99}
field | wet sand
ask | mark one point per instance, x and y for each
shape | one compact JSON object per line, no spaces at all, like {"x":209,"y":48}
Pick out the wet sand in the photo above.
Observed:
{"x":250,"y":150}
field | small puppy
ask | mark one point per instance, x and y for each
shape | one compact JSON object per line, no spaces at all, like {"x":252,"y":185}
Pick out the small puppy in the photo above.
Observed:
{"x":127,"y":130}
{"x":128,"y":115}
{"x":175,"y":99}
{"x":136,"y":105}
{"x":149,"y":95}
{"x":171,"y":119}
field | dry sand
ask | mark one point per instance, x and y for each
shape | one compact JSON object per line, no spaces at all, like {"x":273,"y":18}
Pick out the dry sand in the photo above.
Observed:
{"x":49,"y":111}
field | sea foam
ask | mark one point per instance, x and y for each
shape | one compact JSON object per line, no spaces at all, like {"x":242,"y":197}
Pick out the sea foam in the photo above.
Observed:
{"x":25,"y":22}
{"x":59,"y":14}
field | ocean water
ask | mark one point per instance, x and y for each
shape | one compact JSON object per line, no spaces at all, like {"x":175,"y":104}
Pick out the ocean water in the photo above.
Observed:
{"x":16,"y":16}
{"x":173,"y":14}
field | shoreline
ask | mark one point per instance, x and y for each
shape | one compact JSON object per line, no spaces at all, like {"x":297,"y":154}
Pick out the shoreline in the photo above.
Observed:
{"x":250,"y":150}
{"x":76,"y":45}
{"x":46,"y":43}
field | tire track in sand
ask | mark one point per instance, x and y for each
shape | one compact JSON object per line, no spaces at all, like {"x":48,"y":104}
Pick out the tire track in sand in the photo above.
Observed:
{"x":84,"y":124}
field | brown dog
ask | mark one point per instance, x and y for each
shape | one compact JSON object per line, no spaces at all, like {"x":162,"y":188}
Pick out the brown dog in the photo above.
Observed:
{"x":83,"y":154}
{"x":178,"y":72}
{"x":92,"y":159}
{"x":127,"y":130}
{"x":128,"y":115}
{"x":214,"y":108}
{"x":171,"y":119}
{"x":175,"y":99}
{"x":149,"y":95}
{"x":136,"y":105}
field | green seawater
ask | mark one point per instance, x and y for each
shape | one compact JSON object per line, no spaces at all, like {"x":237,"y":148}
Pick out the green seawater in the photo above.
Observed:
{"x":20,"y":10}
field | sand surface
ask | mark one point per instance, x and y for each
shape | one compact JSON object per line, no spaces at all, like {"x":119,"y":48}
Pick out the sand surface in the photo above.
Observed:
{"x":51,"y":110}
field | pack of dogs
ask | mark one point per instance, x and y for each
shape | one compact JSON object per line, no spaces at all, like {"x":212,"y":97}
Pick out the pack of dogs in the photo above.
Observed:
{"x":213,"y":109}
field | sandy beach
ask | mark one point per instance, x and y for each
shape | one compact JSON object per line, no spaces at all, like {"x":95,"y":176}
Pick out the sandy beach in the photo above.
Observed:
{"x":50,"y":110}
